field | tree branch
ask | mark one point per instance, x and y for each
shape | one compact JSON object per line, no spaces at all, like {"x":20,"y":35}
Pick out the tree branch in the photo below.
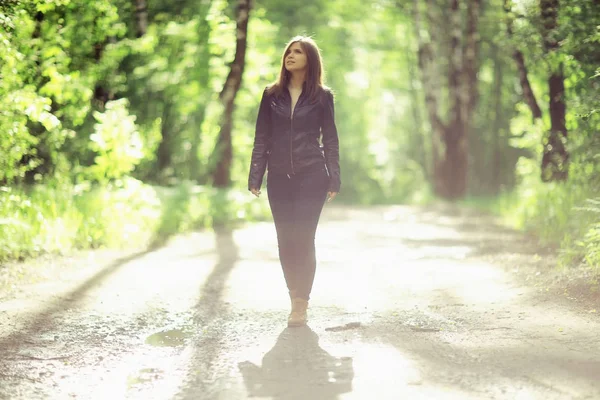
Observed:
{"x":519,"y":58}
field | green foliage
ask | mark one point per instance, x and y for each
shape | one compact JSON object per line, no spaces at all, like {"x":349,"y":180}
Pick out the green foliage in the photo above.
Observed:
{"x":87,"y":103}
{"x":589,"y":244}
{"x":47,"y":83}
{"x":561,"y":215}
{"x":116,"y":143}
{"x":49,"y":219}
{"x":553,"y":212}
{"x":125,"y":213}
{"x":20,"y":103}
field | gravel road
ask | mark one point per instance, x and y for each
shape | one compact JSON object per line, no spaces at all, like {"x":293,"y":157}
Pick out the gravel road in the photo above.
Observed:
{"x":408,"y":303}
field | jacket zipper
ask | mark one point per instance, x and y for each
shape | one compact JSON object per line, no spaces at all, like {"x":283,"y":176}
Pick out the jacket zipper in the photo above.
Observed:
{"x":291,"y":134}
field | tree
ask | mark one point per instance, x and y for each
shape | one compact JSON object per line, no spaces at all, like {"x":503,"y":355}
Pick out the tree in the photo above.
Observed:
{"x":555,"y":161}
{"x":450,"y":139}
{"x":223,"y":149}
{"x":555,"y":158}
{"x":519,"y":59}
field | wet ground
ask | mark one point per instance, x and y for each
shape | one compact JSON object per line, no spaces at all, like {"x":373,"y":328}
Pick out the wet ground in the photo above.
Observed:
{"x":408,"y":303}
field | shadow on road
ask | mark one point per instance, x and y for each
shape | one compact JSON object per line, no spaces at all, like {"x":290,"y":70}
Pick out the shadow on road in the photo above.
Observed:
{"x":44,"y":319}
{"x":507,"y":361}
{"x":477,"y":247}
{"x":477,"y":328}
{"x":209,"y":315}
{"x":298,"y":368}
{"x":211,"y":303}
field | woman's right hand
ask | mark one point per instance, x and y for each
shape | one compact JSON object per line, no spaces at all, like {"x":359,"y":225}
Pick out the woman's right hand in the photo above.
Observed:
{"x":255,"y":191}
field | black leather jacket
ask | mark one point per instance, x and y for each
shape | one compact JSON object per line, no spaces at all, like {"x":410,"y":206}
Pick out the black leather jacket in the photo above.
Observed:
{"x":291,"y":145}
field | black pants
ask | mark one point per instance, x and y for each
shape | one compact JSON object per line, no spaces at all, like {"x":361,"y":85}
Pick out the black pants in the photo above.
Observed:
{"x":296,"y":202}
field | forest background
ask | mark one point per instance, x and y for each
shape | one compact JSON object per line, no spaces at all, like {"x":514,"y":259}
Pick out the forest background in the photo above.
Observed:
{"x":123,"y":122}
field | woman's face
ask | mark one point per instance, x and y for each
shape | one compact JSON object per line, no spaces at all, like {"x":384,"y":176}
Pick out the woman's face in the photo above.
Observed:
{"x":295,"y":58}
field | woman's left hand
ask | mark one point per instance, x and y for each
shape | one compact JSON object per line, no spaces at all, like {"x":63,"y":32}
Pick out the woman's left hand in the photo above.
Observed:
{"x":331,"y":196}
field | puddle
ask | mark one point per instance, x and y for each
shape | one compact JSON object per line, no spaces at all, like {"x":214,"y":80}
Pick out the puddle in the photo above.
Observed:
{"x":170,"y":338}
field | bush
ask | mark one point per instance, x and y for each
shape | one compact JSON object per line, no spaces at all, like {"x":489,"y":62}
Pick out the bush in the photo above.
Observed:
{"x":559,"y":214}
{"x":590,"y":243}
{"x":125,"y":213}
{"x":116,"y":142}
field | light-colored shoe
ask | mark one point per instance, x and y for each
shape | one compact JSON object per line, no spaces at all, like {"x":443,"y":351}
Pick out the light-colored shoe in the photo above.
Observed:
{"x":298,"y":315}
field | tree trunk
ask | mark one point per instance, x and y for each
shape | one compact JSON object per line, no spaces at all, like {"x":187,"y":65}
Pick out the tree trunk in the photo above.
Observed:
{"x":141,"y":17}
{"x":517,"y":55}
{"x":528,"y":94}
{"x":420,"y":138}
{"x":224,"y":149}
{"x":101,"y":94}
{"x":427,"y":66}
{"x":41,"y":157}
{"x":437,"y":27}
{"x":450,"y":165}
{"x":164,"y":153}
{"x":470,"y":86}
{"x":497,"y":134}
{"x":203,"y":67}
{"x":452,"y":171}
{"x":555,"y":161}
{"x":195,"y":166}
{"x":471,"y":59}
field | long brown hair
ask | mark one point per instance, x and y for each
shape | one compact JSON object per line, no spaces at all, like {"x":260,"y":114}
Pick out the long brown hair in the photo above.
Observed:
{"x":314,"y":72}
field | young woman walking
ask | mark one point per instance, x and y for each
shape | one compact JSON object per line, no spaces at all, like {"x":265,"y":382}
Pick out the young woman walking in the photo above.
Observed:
{"x":296,"y":115}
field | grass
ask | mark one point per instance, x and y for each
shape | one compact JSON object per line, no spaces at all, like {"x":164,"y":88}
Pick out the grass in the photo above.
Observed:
{"x":563,"y":215}
{"x":58,"y":219}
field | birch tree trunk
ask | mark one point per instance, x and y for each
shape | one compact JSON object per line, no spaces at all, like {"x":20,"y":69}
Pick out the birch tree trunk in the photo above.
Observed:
{"x":223,"y":149}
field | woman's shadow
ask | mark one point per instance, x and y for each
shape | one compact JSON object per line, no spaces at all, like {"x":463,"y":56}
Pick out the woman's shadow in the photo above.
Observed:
{"x":297,"y":368}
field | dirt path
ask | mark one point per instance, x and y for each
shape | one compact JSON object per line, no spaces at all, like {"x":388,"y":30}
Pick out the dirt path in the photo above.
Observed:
{"x":408,"y":303}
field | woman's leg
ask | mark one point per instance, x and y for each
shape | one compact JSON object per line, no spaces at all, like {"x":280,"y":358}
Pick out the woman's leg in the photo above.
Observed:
{"x":281,"y":200}
{"x":296,"y":203}
{"x":310,"y":195}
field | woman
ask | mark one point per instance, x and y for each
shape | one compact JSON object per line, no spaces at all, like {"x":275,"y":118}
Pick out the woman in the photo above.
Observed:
{"x":297,"y":113}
